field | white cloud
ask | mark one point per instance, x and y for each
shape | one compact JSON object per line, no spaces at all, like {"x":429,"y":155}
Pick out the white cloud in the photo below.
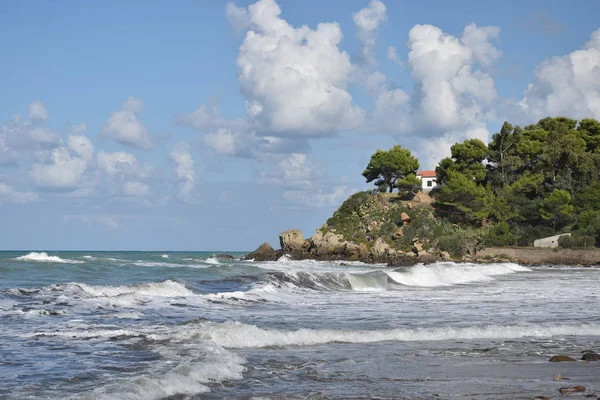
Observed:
{"x":294,"y":79}
{"x":125,"y":127}
{"x":296,"y":170}
{"x":78,"y":129}
{"x":225,"y":142}
{"x":138,"y":189}
{"x":114,"y":163}
{"x":237,"y":17}
{"x":452,"y":92}
{"x":392,"y":54}
{"x":184,"y":170}
{"x":66,"y":166}
{"x":43,"y":136}
{"x":10,"y":195}
{"x":367,"y":22}
{"x":37,"y":111}
{"x":567,"y":85}
{"x":319,"y":198}
{"x":478,"y":40}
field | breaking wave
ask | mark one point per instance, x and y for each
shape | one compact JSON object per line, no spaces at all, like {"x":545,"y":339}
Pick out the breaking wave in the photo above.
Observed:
{"x":448,"y":274}
{"x":44,"y":257}
{"x":239,"y":335}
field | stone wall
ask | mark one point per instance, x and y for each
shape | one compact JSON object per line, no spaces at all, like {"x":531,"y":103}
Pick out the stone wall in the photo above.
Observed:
{"x":541,"y":256}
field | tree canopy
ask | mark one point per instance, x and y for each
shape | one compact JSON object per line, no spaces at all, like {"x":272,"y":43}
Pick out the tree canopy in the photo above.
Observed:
{"x":392,"y":167}
{"x":530,"y":181}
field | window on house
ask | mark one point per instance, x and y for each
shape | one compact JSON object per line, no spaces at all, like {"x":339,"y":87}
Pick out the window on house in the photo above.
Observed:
{"x":429,"y":183}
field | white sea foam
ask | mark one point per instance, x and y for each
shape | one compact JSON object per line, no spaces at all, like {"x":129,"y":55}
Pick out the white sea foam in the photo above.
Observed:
{"x":44,"y":257}
{"x":238,"y":335}
{"x":167,"y":288}
{"x":165,"y":256}
{"x":284,"y":258}
{"x":212,"y":261}
{"x":447,"y":274}
{"x":88,"y":257}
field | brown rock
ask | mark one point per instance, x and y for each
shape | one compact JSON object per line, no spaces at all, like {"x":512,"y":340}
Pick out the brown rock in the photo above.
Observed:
{"x":560,"y":358}
{"x":398,"y":233}
{"x":422,"y":197}
{"x":291,"y":240}
{"x":445,"y":256}
{"x":572,"y":389}
{"x":542,"y":397}
{"x":404,"y":218}
{"x":380,"y":249}
{"x":264,"y":252}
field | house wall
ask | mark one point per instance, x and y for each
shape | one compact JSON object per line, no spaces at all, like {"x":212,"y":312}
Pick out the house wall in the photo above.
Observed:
{"x":425,"y":186}
{"x":550,"y":241}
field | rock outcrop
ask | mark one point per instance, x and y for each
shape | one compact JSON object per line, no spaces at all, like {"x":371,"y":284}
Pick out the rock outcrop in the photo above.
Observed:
{"x":291,"y":241}
{"x":264,"y":252}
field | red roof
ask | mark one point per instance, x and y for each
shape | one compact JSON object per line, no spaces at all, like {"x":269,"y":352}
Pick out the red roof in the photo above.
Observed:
{"x":426,"y":174}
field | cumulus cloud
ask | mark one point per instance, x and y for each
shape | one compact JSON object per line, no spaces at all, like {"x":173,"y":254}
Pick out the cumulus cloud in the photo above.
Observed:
{"x":294,"y":79}
{"x":237,"y":17}
{"x":296,"y":170}
{"x":137,"y":189}
{"x":114,"y":163}
{"x":10,"y":195}
{"x":66,"y":165}
{"x":124,"y":172}
{"x":125,"y":127}
{"x":453,"y":92}
{"x":183,"y":164}
{"x":367,"y":22}
{"x":37,"y":111}
{"x":567,"y":85}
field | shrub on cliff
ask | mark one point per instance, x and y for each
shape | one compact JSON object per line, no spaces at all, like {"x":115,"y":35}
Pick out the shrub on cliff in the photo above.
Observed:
{"x":499,"y":235}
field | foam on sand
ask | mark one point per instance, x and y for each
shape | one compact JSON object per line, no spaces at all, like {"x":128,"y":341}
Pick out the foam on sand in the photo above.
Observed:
{"x":44,"y":257}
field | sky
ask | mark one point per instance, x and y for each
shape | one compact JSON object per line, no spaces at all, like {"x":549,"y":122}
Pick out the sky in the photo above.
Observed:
{"x":214,"y":125}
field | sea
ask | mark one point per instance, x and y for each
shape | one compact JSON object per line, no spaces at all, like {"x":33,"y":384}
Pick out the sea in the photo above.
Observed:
{"x":190,"y":325}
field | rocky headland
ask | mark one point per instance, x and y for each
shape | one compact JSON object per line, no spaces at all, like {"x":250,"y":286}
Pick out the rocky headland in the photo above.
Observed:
{"x":383,"y":228}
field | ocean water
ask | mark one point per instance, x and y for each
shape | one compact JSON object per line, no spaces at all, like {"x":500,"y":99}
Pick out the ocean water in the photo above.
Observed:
{"x":141,"y":325}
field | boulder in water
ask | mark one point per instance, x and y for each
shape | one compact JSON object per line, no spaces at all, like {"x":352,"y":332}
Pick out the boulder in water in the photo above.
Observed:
{"x":590,"y":356}
{"x":264,"y":252}
{"x":224,"y":256}
{"x":572,"y":389}
{"x":291,"y":240}
{"x":561,"y":358}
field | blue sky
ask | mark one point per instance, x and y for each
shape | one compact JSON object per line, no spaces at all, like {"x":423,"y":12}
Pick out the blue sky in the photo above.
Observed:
{"x":214,"y":126}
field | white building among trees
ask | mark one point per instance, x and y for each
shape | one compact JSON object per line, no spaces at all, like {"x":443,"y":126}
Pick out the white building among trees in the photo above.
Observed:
{"x":428,"y":180}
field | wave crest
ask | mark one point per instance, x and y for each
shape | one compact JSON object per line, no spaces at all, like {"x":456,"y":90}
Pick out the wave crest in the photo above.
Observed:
{"x":44,"y":257}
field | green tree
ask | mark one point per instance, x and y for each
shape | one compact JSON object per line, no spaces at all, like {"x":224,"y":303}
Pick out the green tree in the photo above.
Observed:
{"x":468,"y":199}
{"x":468,"y":158}
{"x":387,"y":167}
{"x":557,"y":208}
{"x":409,"y":185}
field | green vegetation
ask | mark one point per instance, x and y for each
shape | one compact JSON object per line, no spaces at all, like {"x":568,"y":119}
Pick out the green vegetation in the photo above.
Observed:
{"x":388,"y":168}
{"x":366,"y":216}
{"x":527,"y":183}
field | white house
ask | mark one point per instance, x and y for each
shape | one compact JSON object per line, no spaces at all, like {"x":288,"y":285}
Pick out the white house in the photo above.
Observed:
{"x":428,"y":180}
{"x":550,"y":241}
